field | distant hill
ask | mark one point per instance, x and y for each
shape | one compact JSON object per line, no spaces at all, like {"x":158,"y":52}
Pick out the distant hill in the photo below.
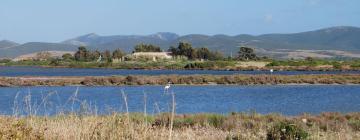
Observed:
{"x":33,"y":47}
{"x":4,"y":44}
{"x":32,"y":56}
{"x":342,"y":38}
{"x":124,"y":42}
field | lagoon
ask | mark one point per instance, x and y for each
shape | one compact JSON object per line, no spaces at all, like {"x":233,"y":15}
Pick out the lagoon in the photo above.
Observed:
{"x":264,"y":99}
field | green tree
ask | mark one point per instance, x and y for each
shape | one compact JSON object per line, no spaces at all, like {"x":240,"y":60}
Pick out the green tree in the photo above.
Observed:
{"x":203,"y":53}
{"x":94,"y":55}
{"x":216,"y":55}
{"x":246,"y":53}
{"x":118,"y":54}
{"x":146,"y":48}
{"x":186,"y":49}
{"x":82,"y":54}
{"x":174,"y":51}
{"x":107,"y":56}
{"x":67,"y":57}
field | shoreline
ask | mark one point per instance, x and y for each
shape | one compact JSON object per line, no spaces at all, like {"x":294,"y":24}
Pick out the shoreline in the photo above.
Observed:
{"x":313,"y":79}
{"x":227,"y":68}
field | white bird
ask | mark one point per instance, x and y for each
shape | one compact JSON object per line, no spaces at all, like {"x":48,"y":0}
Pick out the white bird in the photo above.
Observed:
{"x":167,"y":87}
{"x":99,"y":59}
{"x":271,"y":71}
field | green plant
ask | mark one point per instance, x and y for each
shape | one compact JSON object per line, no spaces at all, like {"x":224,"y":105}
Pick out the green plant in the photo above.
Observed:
{"x":355,"y":124}
{"x":216,"y":120}
{"x":286,"y":131}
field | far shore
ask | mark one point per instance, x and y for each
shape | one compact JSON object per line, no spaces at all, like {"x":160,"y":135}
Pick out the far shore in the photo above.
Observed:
{"x":221,"y":65}
{"x":313,"y":79}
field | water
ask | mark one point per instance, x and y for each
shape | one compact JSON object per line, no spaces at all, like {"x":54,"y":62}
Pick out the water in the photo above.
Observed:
{"x":287,"y":100}
{"x":38,"y":71}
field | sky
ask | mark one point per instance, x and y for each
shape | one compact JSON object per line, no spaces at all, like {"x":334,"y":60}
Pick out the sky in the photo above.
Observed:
{"x":57,"y":20}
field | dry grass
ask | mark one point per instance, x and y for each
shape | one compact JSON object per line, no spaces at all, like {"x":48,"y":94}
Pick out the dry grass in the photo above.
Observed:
{"x":326,"y":126}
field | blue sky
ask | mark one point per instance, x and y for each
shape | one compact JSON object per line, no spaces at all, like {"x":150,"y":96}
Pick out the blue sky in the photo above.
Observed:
{"x":54,"y":21}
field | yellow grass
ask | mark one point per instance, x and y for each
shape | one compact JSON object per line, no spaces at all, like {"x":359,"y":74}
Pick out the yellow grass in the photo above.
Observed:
{"x":201,"y":126}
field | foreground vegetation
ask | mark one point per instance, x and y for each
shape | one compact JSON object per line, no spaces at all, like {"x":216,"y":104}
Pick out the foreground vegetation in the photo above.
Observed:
{"x":234,"y":126}
{"x":181,"y":80}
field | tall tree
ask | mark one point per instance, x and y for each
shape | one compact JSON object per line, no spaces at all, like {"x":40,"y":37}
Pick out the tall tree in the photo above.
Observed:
{"x":82,"y":54}
{"x":118,"y":54}
{"x":216,"y":55}
{"x":246,"y":53}
{"x":186,"y":49}
{"x":146,"y":48}
{"x":203,"y":53}
{"x":94,"y":55}
{"x":174,"y":51}
{"x":107,"y":56}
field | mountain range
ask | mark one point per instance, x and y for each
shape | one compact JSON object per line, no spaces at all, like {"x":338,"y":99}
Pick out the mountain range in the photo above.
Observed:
{"x":325,"y":42}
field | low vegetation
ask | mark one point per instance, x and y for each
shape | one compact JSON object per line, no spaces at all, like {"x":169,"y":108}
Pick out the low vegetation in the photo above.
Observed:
{"x":182,"y":80}
{"x":234,"y":126}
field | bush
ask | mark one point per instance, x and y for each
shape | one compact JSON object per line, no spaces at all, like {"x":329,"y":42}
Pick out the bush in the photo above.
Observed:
{"x":355,"y":124}
{"x":286,"y":131}
{"x":209,"y":65}
{"x":199,"y":65}
{"x":216,"y":120}
{"x":5,"y":60}
{"x":336,"y":65}
{"x":55,"y":62}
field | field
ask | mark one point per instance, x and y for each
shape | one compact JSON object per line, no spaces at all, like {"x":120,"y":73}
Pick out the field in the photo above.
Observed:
{"x":234,"y":126}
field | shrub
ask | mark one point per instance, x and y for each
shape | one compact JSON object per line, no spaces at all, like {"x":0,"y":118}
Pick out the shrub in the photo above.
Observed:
{"x":355,"y":124}
{"x":286,"y":131}
{"x":216,"y":120}
{"x":5,"y":60}
{"x":209,"y":65}
{"x":336,"y":65}
{"x":55,"y":62}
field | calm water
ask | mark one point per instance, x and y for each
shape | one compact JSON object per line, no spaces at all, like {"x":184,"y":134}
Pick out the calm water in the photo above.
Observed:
{"x":287,"y":100}
{"x":37,"y":71}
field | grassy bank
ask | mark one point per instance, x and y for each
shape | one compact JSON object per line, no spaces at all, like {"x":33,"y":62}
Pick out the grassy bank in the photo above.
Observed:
{"x":181,"y":80}
{"x":183,"y":64}
{"x":234,"y":126}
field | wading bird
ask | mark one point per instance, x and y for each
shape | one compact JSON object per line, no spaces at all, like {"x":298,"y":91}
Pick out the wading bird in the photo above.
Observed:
{"x":167,"y":87}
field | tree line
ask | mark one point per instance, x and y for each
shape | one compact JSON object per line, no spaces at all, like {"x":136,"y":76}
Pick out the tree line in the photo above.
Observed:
{"x":86,"y":55}
{"x":183,"y":49}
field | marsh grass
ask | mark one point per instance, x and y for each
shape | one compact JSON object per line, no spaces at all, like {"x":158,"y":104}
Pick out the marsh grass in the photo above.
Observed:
{"x":87,"y":124}
{"x":182,"y":80}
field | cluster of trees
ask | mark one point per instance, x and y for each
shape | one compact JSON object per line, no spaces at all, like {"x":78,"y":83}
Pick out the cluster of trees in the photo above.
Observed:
{"x":85,"y":55}
{"x":185,"y":49}
{"x":246,"y":53}
{"x":146,"y":48}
